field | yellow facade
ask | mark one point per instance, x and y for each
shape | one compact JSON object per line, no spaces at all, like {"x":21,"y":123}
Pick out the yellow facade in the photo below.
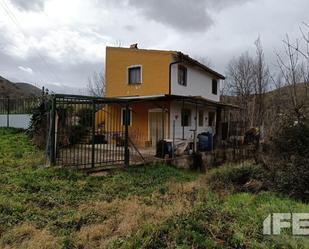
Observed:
{"x":155,"y":81}
{"x":155,"y":71}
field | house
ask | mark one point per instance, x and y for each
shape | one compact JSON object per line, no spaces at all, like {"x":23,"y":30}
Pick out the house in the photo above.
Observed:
{"x":173,"y":95}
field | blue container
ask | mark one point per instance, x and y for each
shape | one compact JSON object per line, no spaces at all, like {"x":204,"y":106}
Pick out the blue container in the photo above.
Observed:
{"x":205,"y":141}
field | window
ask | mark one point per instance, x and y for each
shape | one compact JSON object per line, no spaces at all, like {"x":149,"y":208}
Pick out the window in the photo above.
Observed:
{"x":123,"y":116}
{"x":211,"y":119}
{"x":200,"y":118}
{"x":185,"y":117}
{"x":135,"y":75}
{"x":182,"y":75}
{"x":214,"y":87}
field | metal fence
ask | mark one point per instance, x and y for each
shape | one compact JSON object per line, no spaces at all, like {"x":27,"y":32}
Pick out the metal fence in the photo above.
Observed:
{"x":89,"y":132}
{"x":16,"y":112}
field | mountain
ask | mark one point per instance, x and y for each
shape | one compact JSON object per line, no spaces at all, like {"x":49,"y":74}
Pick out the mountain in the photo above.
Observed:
{"x":17,"y":90}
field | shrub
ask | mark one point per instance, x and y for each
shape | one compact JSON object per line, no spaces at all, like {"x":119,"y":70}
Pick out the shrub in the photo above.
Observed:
{"x":292,"y":140}
{"x":289,"y":160}
{"x":237,"y":177}
{"x":39,"y":123}
{"x":85,"y":116}
{"x":77,"y":133}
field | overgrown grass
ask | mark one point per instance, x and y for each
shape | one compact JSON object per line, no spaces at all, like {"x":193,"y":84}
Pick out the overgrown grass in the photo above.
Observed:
{"x":234,"y":221}
{"x":16,"y":150}
{"x":49,"y":198}
{"x":148,"y":207}
{"x":234,"y":177}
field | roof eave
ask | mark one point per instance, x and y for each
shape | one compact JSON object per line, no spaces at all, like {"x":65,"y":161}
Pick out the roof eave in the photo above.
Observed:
{"x":200,"y":65}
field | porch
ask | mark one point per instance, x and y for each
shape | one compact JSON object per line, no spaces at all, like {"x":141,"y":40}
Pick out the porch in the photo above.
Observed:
{"x":176,"y":119}
{"x":94,"y":132}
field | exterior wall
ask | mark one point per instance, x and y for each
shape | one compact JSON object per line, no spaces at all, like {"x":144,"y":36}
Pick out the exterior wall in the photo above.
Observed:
{"x":155,"y":71}
{"x":110,"y":118}
{"x":199,"y":83}
{"x":175,"y":109}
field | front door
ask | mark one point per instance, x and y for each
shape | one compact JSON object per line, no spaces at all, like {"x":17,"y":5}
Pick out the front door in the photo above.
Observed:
{"x":155,"y":120}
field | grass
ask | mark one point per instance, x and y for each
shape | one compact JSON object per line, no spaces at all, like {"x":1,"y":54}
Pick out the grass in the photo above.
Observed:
{"x":231,"y":222}
{"x":234,"y":177}
{"x":147,"y":207}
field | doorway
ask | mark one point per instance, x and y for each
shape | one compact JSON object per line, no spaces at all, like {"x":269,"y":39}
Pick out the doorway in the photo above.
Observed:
{"x":155,"y":124}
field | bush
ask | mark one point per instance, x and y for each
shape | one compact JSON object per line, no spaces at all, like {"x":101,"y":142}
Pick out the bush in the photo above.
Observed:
{"x":77,"y":133}
{"x":39,"y":123}
{"x":85,"y":116}
{"x":289,"y":160}
{"x":237,"y":177}
{"x":292,"y":140}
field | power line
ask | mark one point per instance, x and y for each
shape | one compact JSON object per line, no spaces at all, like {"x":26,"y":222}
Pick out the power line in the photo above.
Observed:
{"x":14,"y":19}
{"x":32,"y":65}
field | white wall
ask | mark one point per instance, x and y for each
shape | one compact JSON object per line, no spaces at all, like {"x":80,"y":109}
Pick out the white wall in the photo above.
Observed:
{"x":199,"y":83}
{"x":16,"y":120}
{"x":175,"y":109}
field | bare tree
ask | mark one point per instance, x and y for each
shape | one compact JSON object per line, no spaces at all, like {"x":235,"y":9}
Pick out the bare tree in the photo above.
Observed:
{"x":293,"y":70}
{"x":96,"y":84}
{"x":204,"y":60}
{"x":261,"y":80}
{"x":240,"y":81}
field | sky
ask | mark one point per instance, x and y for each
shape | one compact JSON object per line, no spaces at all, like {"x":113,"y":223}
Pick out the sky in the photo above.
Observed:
{"x":60,"y":43}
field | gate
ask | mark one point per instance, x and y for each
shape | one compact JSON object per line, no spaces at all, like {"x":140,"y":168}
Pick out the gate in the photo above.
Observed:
{"x":89,"y":132}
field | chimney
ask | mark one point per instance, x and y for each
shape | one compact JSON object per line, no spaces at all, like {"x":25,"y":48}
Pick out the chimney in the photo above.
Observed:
{"x":134,"y":46}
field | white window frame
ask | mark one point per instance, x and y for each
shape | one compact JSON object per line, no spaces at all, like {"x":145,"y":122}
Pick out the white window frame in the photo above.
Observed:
{"x":133,"y":66}
{"x":121,"y":113}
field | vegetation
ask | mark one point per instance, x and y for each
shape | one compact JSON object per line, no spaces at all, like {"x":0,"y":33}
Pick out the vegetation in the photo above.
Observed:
{"x":288,"y":159}
{"x":234,"y":221}
{"x":243,"y":177}
{"x":146,"y":207}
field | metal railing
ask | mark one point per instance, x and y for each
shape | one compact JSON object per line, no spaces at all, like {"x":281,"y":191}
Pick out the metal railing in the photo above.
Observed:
{"x":17,"y":106}
{"x":88,"y":132}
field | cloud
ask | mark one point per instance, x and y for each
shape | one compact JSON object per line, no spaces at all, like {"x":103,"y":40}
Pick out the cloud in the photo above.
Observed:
{"x":183,"y":15}
{"x":179,"y":14}
{"x":29,"y":5}
{"x":71,"y":35}
{"x":26,"y":69}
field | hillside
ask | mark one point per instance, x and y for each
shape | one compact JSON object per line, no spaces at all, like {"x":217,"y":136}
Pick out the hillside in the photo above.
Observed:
{"x":277,"y":103}
{"x":17,"y":90}
{"x":283,"y":92}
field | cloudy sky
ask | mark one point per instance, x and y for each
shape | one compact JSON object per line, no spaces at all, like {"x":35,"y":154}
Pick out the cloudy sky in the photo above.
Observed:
{"x":60,"y":43}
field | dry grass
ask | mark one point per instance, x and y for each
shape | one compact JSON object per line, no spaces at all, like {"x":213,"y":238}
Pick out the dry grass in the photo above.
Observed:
{"x":124,"y":217}
{"x":26,"y":236}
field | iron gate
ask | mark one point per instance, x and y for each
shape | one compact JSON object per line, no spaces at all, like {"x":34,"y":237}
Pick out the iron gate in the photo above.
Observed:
{"x":89,"y":132}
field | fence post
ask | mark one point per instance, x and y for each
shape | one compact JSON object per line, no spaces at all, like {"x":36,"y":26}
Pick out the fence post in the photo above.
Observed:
{"x":53,"y":135}
{"x":93,"y":136}
{"x":174,"y":126}
{"x":8,"y":113}
{"x":126,"y":138}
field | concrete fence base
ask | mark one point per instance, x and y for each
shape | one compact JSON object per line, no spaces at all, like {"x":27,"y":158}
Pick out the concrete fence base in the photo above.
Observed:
{"x":207,"y":160}
{"x":15,"y":120}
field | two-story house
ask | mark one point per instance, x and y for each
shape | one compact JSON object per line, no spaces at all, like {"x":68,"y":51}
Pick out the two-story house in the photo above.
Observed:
{"x":178,"y":95}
